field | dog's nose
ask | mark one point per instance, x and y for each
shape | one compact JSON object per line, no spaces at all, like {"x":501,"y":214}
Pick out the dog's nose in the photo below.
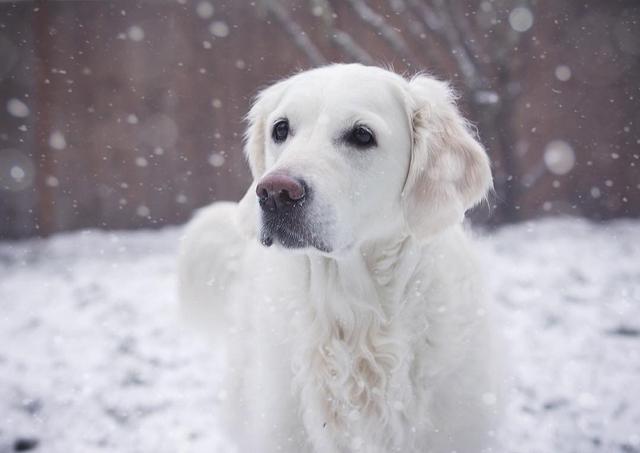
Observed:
{"x":277,"y":191}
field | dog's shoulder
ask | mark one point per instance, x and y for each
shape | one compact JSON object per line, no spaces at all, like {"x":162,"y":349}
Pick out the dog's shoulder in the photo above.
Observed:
{"x":211,"y":251}
{"x":452,"y":252}
{"x":212,"y":238}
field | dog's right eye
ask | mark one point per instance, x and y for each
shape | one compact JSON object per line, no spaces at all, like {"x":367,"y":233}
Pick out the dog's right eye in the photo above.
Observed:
{"x":280,"y":131}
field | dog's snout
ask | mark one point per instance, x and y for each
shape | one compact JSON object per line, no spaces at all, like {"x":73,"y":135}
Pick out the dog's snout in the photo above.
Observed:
{"x":277,"y":191}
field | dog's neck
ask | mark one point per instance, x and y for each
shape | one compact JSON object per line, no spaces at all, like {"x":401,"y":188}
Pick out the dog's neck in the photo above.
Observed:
{"x":350,"y":339}
{"x":381,"y":266}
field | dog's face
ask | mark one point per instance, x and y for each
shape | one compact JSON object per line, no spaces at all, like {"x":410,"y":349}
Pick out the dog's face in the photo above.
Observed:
{"x":347,"y":154}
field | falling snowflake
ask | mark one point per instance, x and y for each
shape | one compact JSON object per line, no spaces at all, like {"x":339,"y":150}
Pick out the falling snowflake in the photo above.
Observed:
{"x":135,"y":33}
{"x":563,"y":73}
{"x":521,"y":19}
{"x":143,"y":211}
{"x":559,"y":157}
{"x":17,"y":108}
{"x":217,"y":159}
{"x":204,"y":10}
{"x":52,"y":181}
{"x":57,"y":140}
{"x":219,"y":29}
{"x":17,"y":172}
{"x":486,"y":97}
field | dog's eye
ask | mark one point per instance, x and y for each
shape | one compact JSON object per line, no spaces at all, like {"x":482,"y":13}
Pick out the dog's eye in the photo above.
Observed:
{"x":280,"y":130}
{"x":361,"y":137}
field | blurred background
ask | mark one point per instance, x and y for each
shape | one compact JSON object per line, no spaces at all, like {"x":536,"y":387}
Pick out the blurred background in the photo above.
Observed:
{"x":128,"y":114}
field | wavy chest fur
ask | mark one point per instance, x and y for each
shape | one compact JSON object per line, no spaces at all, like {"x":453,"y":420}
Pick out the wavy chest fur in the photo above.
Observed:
{"x":353,"y":359}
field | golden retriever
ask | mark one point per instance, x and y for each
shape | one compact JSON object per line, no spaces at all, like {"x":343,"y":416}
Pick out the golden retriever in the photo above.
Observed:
{"x":343,"y":285}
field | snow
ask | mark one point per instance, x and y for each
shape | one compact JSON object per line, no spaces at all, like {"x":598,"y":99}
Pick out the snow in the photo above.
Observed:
{"x":135,"y":33}
{"x":569,"y":293}
{"x":521,"y":19}
{"x":217,"y":159}
{"x":141,"y":162}
{"x":486,"y":97}
{"x":219,"y":29}
{"x":204,"y":10}
{"x":93,"y":357}
{"x":17,"y":171}
{"x":57,"y":140}
{"x":52,"y":181}
{"x":17,"y":108}
{"x":563,"y":72}
{"x":143,"y":211}
{"x":559,"y":157}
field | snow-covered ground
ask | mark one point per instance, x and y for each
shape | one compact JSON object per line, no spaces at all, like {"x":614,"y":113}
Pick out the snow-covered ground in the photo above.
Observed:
{"x":93,"y":357}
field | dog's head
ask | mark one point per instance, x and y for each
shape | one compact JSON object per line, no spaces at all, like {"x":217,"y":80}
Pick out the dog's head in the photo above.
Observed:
{"x":346,"y":154}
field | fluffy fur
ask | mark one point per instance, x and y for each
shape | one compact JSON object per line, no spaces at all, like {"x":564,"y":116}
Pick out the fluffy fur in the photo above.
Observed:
{"x":383,"y":343}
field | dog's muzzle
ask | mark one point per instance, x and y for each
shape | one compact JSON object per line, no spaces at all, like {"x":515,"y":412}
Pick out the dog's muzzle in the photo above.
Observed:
{"x":284,"y":203}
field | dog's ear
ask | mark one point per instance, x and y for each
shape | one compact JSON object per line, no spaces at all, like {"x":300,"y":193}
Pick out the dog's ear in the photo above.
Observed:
{"x":449,"y":170}
{"x":256,"y":134}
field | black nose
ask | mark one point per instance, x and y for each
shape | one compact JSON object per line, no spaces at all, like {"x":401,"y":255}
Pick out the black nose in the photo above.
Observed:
{"x":278,"y":191}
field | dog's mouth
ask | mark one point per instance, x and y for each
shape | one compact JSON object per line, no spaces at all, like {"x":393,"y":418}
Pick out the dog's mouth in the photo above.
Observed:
{"x":291,"y":237}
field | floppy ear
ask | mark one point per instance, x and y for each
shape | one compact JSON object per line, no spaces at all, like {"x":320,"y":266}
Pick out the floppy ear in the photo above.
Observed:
{"x":256,"y":134}
{"x":449,"y":170}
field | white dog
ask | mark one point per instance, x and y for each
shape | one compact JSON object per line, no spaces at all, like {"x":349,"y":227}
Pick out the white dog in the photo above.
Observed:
{"x":343,"y":284}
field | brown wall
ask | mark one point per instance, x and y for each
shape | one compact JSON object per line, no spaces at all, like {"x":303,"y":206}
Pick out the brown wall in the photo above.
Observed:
{"x":152,"y":127}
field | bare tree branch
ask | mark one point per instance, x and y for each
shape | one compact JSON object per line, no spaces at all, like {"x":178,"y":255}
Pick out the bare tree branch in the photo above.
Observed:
{"x":341,"y":38}
{"x":430,"y":19}
{"x":377,"y":22}
{"x":417,"y":30}
{"x":440,"y":23}
{"x":296,"y":32}
{"x":351,"y":48}
{"x":466,"y":30}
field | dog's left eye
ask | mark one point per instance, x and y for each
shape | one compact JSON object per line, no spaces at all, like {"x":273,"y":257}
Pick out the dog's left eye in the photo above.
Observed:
{"x":361,"y":137}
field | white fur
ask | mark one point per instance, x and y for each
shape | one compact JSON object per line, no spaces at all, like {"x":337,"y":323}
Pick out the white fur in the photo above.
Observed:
{"x":384,"y":343}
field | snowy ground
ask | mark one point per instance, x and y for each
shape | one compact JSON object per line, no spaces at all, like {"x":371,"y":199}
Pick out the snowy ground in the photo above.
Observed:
{"x":93,"y":358}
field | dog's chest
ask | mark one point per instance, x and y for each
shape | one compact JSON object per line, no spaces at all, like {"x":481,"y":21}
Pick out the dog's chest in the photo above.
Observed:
{"x":353,"y":370}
